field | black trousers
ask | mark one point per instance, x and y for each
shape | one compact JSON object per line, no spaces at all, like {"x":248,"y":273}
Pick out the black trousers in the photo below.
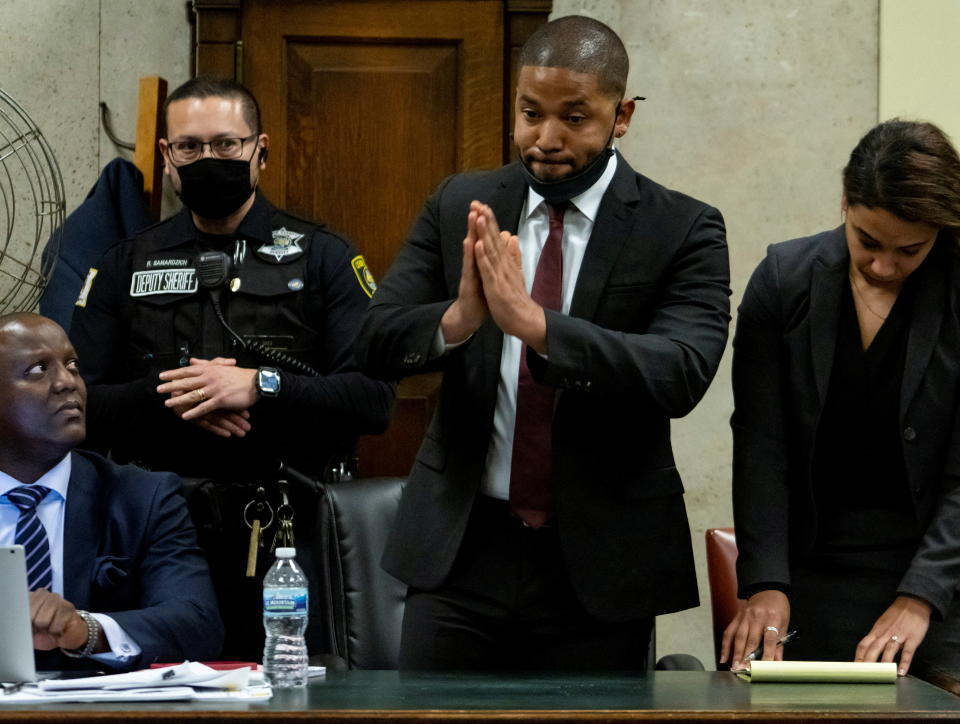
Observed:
{"x":508,"y":605}
{"x":834,"y":602}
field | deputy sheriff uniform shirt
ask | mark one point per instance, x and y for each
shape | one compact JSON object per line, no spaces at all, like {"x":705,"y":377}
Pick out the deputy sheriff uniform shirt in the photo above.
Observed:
{"x":294,"y":287}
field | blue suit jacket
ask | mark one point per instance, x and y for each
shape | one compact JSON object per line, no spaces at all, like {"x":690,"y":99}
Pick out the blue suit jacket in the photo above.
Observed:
{"x":130,"y":551}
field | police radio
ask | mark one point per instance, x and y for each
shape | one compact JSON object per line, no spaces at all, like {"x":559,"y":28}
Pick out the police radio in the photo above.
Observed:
{"x":213,"y":271}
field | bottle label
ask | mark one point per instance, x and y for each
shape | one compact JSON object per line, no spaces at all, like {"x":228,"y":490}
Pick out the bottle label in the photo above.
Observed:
{"x":284,"y":601}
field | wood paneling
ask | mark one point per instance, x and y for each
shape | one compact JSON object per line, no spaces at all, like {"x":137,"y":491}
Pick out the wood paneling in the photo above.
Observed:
{"x":370,"y":106}
{"x":216,"y":33}
{"x":372,"y":109}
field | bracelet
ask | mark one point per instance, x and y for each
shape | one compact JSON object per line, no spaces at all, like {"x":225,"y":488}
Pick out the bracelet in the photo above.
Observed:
{"x":93,"y":634}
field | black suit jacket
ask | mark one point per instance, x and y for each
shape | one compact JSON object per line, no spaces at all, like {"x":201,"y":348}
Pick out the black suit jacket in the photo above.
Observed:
{"x":783,"y":357}
{"x":646,"y":330}
{"x":130,"y":551}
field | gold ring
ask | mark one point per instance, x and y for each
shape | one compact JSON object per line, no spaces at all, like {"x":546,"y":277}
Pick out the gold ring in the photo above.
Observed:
{"x":200,"y":395}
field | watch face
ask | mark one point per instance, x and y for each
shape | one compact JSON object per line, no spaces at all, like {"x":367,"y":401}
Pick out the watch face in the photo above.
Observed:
{"x":268,"y":381}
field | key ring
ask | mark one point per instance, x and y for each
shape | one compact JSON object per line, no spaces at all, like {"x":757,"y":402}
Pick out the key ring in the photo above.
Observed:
{"x":246,"y":511}
{"x":285,"y":512}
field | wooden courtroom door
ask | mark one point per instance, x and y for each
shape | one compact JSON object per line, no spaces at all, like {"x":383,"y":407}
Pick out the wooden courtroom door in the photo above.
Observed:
{"x":369,"y":105}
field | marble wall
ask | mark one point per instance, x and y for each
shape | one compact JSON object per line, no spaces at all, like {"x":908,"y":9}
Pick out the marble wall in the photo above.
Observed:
{"x":61,"y":58}
{"x":752,"y":106}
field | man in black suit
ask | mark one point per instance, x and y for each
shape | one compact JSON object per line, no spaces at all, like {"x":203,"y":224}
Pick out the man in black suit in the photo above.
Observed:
{"x":543,"y":524}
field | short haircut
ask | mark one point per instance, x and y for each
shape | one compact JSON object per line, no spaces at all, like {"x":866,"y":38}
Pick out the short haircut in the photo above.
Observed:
{"x":583,"y":45}
{"x":908,"y":168}
{"x":209,"y":86}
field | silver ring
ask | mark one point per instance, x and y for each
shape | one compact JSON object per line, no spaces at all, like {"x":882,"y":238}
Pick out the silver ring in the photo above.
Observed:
{"x":895,"y":638}
{"x":774,"y":629}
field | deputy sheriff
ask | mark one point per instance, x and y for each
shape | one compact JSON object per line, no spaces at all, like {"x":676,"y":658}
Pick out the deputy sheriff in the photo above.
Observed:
{"x":218,"y":341}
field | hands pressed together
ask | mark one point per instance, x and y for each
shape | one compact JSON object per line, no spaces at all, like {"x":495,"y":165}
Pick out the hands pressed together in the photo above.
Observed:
{"x":764,"y":618}
{"x":214,"y":394}
{"x":492,"y":284}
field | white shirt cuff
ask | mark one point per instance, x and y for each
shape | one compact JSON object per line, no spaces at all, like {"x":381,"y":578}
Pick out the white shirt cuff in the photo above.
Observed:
{"x":122,"y":648}
{"x":440,"y":346}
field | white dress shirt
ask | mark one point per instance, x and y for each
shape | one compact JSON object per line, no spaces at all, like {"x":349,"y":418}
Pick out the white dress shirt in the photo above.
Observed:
{"x":578,"y":223}
{"x":51,"y":512}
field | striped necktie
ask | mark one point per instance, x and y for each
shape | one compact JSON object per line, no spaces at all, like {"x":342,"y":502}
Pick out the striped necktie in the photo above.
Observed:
{"x":32,"y":535}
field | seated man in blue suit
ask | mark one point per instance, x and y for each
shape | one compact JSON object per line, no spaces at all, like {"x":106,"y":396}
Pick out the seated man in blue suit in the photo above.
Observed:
{"x":113,"y":566}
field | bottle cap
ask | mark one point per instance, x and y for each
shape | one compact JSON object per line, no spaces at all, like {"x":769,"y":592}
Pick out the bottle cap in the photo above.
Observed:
{"x":286,"y":552}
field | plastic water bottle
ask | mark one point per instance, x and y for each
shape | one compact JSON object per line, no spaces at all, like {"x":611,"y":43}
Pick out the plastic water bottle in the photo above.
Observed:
{"x":285,"y":620}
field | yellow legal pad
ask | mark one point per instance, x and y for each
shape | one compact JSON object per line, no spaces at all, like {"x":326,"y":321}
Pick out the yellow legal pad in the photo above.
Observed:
{"x":820,"y":671}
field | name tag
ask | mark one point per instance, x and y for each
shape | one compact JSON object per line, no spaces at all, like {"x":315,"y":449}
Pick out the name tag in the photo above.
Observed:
{"x":163,"y":281}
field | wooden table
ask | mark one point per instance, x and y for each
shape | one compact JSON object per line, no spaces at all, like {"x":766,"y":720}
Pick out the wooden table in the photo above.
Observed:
{"x":355,"y":697}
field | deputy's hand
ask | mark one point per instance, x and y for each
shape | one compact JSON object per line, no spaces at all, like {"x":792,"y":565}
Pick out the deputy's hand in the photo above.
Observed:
{"x":901,"y":628}
{"x":213,"y":385}
{"x":469,"y":309}
{"x":753,"y":623}
{"x":501,"y":271}
{"x":56,"y":623}
{"x":222,"y":423}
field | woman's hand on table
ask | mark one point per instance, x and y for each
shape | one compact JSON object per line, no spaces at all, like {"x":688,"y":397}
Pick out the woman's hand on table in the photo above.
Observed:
{"x":901,"y":628}
{"x":763,"y":618}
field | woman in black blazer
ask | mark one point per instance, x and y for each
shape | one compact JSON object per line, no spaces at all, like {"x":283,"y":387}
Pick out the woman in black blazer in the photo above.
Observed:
{"x":846,"y":376}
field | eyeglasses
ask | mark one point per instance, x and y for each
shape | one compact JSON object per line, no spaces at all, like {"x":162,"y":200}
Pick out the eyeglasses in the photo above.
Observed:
{"x":226,"y":148}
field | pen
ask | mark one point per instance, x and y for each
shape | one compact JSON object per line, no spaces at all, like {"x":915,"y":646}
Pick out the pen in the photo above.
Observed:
{"x":759,"y":650}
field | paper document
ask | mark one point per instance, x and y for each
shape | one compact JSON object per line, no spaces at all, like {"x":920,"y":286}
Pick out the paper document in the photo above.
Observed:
{"x":189,"y":681}
{"x":822,"y":671}
{"x":189,"y":673}
{"x":31,"y":694}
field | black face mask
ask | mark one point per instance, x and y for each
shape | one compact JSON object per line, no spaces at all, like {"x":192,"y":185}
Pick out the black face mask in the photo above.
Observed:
{"x":571,"y":186}
{"x":567,"y":188}
{"x":213,"y":188}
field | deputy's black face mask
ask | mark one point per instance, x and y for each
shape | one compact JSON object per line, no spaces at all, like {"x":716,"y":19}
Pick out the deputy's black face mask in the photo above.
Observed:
{"x":213,"y":188}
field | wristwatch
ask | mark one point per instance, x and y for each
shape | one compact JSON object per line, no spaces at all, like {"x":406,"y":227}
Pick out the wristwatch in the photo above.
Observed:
{"x":93,"y":634}
{"x":268,"y":381}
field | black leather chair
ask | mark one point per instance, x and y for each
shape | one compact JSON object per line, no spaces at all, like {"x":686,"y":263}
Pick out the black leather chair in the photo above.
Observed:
{"x":362,"y":606}
{"x":362,"y":609}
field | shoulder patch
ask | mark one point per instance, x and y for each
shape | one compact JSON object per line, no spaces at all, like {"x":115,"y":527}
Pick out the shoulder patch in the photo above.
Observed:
{"x":367,"y":283}
{"x":87,"y":284}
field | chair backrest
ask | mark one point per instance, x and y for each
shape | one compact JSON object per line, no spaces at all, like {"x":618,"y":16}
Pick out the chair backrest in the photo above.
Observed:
{"x":722,"y":570}
{"x":364,"y":604}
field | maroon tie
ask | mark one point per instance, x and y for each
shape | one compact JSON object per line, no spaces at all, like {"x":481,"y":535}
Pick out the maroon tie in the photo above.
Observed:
{"x":531,"y":468}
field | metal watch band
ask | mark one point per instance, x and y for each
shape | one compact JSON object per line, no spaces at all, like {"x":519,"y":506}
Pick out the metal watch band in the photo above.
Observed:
{"x":93,"y":634}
